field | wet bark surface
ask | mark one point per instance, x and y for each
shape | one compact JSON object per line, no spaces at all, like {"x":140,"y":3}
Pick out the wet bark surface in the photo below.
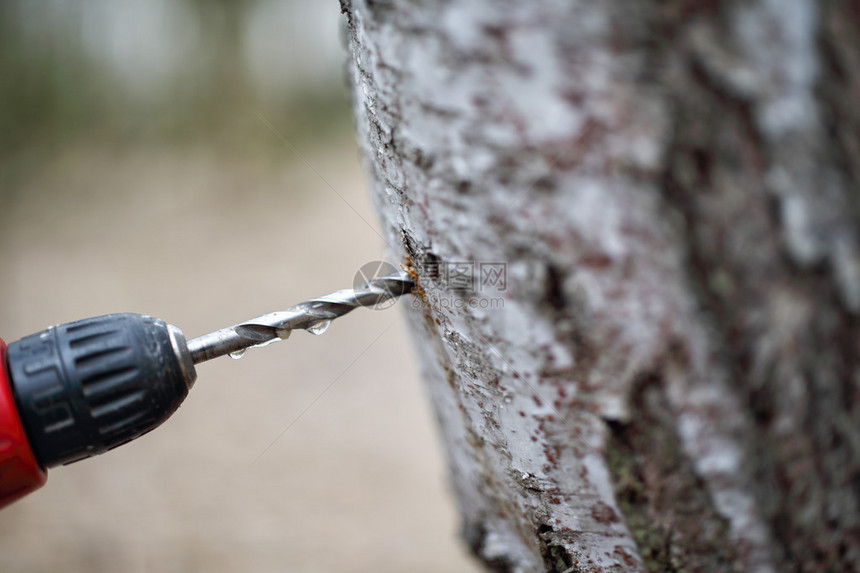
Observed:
{"x":668,"y":378}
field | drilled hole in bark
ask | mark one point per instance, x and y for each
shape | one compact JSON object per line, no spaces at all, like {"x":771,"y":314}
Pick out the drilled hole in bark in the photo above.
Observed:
{"x":702,"y":161}
{"x":555,"y":288}
{"x":430,"y":266}
{"x":761,"y":404}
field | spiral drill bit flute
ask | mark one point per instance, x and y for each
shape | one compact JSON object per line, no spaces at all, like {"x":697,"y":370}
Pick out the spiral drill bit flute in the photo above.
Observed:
{"x":313,"y":315}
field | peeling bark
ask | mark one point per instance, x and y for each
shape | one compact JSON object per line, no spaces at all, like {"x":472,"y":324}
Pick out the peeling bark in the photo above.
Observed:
{"x":671,"y":382}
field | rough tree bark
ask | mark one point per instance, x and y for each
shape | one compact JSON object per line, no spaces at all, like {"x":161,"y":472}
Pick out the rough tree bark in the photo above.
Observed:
{"x":673,"y":380}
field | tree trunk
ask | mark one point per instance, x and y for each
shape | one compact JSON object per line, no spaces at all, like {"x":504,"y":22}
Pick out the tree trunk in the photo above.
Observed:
{"x":668,"y":378}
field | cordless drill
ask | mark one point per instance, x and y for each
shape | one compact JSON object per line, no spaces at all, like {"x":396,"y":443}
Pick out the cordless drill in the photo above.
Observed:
{"x":79,"y":389}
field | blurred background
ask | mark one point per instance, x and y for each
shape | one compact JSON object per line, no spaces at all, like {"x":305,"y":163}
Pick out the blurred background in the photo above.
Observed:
{"x":195,"y":161}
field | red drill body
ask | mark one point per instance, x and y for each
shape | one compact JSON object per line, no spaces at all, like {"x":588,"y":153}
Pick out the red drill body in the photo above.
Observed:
{"x":20,"y":473}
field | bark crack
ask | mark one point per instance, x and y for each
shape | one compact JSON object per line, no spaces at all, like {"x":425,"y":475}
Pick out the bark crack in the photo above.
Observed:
{"x":665,"y":503}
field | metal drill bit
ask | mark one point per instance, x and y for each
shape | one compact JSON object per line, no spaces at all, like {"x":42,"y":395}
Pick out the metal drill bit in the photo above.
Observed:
{"x":310,"y":315}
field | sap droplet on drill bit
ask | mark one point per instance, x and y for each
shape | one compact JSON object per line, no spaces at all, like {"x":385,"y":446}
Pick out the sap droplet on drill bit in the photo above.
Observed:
{"x":284,"y":333}
{"x":238,"y":354}
{"x":319,"y":327}
{"x":268,"y":342}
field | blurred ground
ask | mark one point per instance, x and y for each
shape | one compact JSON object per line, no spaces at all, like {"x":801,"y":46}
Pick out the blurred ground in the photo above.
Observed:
{"x":316,"y":454}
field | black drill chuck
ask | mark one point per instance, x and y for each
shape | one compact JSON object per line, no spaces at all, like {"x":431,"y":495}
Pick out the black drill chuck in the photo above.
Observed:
{"x":85,"y":387}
